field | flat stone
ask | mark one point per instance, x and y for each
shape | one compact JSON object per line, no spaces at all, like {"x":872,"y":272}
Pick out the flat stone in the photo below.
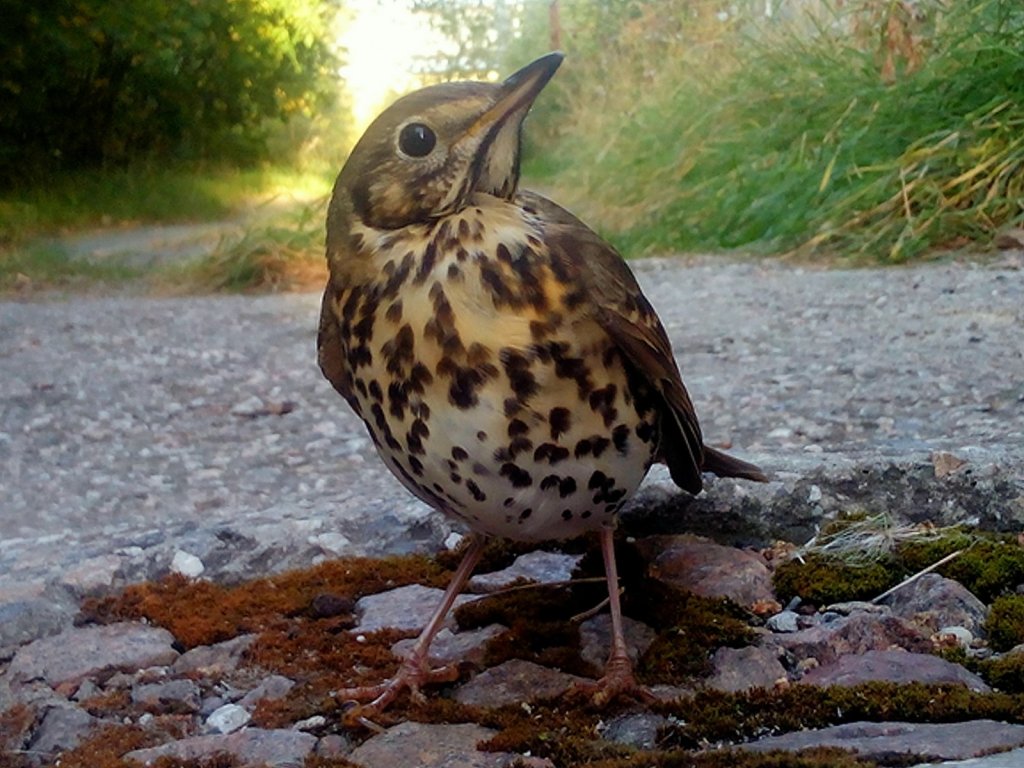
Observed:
{"x":596,"y":639}
{"x":933,"y":601}
{"x":61,"y":729}
{"x":279,"y":747}
{"x":22,"y":621}
{"x":538,"y":566}
{"x":79,"y":652}
{"x":170,"y":697}
{"x":213,"y":659}
{"x":893,"y":667}
{"x":514,"y":681}
{"x":740,"y":669}
{"x":92,"y":576}
{"x":943,"y":741}
{"x":408,"y":607}
{"x":430,"y":746}
{"x":453,"y":647}
{"x":705,"y":568}
{"x":784,"y":621}
{"x":1012,"y":759}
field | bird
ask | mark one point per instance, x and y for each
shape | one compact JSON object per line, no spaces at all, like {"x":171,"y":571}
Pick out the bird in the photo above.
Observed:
{"x":505,"y":361}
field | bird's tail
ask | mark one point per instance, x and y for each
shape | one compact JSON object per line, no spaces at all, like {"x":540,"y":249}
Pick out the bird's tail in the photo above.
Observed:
{"x":724,"y":465}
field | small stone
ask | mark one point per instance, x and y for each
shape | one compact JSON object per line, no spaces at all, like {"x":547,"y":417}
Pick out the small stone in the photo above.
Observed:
{"x":408,"y":607}
{"x":708,"y":569}
{"x":514,"y":681}
{"x":187,"y":565}
{"x":278,"y":748}
{"x":213,"y":660}
{"x":430,"y":746}
{"x":61,"y":729}
{"x":785,"y":621}
{"x":960,"y":636}
{"x":171,"y":697}
{"x":227,"y":719}
{"x":272,"y":688}
{"x":79,"y":652}
{"x":453,"y":647}
{"x":946,"y":463}
{"x":538,"y":566}
{"x":326,"y":605}
{"x":596,"y":639}
{"x":639,"y":730}
{"x":250,"y":407}
{"x":92,"y":576}
{"x":333,"y":543}
{"x":310,"y":723}
{"x":740,"y":669}
{"x":893,"y":667}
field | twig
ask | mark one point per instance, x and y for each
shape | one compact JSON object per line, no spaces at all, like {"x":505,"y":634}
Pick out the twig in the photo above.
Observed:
{"x":916,"y":576}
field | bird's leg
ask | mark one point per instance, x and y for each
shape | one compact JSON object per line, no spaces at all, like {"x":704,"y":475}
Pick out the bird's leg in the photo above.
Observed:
{"x":415,"y":671}
{"x":618,"y":672}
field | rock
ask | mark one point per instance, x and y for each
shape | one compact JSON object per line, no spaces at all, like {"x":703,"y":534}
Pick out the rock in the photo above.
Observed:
{"x":894,"y":667}
{"x":853,"y":634}
{"x":538,"y":566}
{"x":272,"y":688}
{"x":708,"y":569}
{"x":453,"y":647}
{"x":408,"y":607}
{"x":596,"y":639}
{"x":79,"y":652}
{"x":61,"y":729}
{"x":638,"y":729}
{"x":881,"y":741}
{"x":960,"y":636}
{"x":171,"y":697}
{"x":430,"y":746}
{"x":784,"y":621}
{"x":740,"y":669}
{"x":92,"y":576}
{"x":22,"y":621}
{"x":1012,"y":759}
{"x":252,"y":746}
{"x":933,"y":602}
{"x":214,"y":659}
{"x":514,"y":681}
{"x":187,"y":565}
{"x":228,"y":718}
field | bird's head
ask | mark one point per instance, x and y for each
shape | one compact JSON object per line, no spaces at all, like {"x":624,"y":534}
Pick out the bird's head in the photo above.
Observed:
{"x":428,"y":152}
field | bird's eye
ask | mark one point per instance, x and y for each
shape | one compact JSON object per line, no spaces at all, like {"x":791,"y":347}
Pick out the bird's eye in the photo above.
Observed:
{"x":416,"y":140}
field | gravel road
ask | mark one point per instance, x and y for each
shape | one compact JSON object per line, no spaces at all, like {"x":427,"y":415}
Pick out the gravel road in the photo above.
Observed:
{"x":133,"y":430}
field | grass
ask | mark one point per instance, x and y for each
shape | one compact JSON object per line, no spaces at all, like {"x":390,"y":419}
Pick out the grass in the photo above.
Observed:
{"x":872,"y":134}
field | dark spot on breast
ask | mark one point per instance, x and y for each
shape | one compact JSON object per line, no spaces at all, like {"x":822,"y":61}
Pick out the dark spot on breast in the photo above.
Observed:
{"x":551,"y":453}
{"x":512,"y":407}
{"x":516,"y":475}
{"x":360,"y":387}
{"x":398,"y":352}
{"x":416,"y":466}
{"x":475,"y":491}
{"x":525,"y":514}
{"x":597,"y":480}
{"x":620,"y":437}
{"x":455,"y":477}
{"x":480,"y":470}
{"x":560,"y":420}
{"x":594,"y":445}
{"x":454,"y":273}
{"x":427,"y":262}
{"x":567,"y":487}
{"x":519,"y":445}
{"x":459,"y":454}
{"x":645,"y":431}
{"x":517,"y":427}
{"x":567,"y":514}
{"x":478,"y":354}
{"x":549,"y":482}
{"x":375,"y":391}
{"x":394,"y":313}
{"x":517,"y":368}
{"x":419,"y":378}
{"x":398,"y":399}
{"x":602,"y":402}
{"x":481,"y":436}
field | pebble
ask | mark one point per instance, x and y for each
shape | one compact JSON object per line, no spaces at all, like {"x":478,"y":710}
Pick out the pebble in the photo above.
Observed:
{"x":454,"y":647}
{"x":784,"y":621}
{"x":538,"y":567}
{"x":512,"y":682}
{"x":187,"y":565}
{"x":408,"y":607}
{"x":228,"y":718}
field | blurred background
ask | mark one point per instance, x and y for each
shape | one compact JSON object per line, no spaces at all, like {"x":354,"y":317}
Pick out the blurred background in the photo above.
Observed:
{"x":862,"y":130}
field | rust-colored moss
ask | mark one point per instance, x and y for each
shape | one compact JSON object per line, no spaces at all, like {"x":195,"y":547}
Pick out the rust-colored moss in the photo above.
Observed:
{"x":731,"y":758}
{"x":106,"y":747}
{"x":16,"y":723}
{"x":201,"y":612}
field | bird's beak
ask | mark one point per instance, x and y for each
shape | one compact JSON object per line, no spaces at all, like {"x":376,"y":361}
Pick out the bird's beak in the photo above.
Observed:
{"x":517,"y":94}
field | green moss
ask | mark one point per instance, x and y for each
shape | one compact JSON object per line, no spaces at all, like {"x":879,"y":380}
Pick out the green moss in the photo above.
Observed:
{"x":1005,"y":673}
{"x":1005,"y":624}
{"x":990,"y":564}
{"x":730,"y":758}
{"x":822,"y":579}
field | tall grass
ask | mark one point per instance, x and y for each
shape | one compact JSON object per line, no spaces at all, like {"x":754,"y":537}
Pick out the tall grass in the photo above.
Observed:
{"x":874,"y":133}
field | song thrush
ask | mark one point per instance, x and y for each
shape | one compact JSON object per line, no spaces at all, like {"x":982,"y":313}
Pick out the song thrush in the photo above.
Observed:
{"x":503,"y":357}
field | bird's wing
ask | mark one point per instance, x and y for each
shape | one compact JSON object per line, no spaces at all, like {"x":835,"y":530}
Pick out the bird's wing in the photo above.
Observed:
{"x":614,"y":298}
{"x":330,"y":354}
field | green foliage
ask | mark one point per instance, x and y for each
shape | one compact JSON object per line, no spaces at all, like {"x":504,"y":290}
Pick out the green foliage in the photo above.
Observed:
{"x":989,"y":566}
{"x":50,"y":266}
{"x":823,"y":579}
{"x":1005,"y":623}
{"x":88,"y":83}
{"x":874,"y":133}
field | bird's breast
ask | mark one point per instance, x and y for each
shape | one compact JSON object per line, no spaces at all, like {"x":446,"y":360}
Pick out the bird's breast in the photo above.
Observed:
{"x":485,"y":385}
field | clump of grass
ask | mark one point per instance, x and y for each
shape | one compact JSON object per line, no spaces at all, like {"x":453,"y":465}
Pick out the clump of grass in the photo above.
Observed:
{"x":872,"y":133}
{"x":1005,"y":623}
{"x":48,"y":265}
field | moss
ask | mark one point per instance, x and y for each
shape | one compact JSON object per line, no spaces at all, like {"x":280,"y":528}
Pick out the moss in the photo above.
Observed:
{"x":1005,"y":623}
{"x":1005,"y":673}
{"x":201,"y":613}
{"x":822,"y":580}
{"x":104,"y":749}
{"x":731,"y":758}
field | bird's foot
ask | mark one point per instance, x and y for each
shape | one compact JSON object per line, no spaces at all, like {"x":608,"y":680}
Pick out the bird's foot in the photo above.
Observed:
{"x":366,"y":701}
{"x":618,"y":681}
